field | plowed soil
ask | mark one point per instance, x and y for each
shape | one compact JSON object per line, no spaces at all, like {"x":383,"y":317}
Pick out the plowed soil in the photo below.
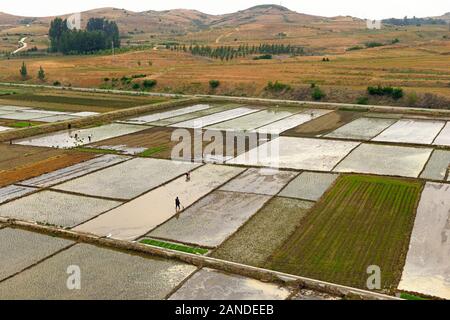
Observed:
{"x":19,"y":163}
{"x":324,"y":124}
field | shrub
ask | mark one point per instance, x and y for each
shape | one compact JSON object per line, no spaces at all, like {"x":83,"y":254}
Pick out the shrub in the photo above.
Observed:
{"x":214,"y":84}
{"x":135,"y":76}
{"x":277,"y":86}
{"x":362,"y":100}
{"x":263,"y":57}
{"x":397,"y":93}
{"x":136,"y":86}
{"x":355,"y":48}
{"x":317,"y":94}
{"x":149,"y":83}
{"x":412,"y":98}
{"x":374,"y":44}
{"x":125,"y":80}
{"x":56,"y":83}
{"x":41,"y":74}
{"x":23,"y":71}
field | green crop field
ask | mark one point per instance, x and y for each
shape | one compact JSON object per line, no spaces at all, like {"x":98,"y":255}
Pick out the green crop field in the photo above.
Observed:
{"x":172,"y":246}
{"x":362,"y":221}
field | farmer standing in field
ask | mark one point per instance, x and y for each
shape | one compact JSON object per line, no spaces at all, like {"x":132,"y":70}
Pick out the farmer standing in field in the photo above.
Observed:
{"x":177,"y":204}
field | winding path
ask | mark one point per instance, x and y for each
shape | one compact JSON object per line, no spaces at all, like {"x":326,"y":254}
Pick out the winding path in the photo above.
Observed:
{"x":23,"y":45}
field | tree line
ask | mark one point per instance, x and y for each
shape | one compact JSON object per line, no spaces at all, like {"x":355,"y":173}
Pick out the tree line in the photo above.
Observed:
{"x":231,"y":52}
{"x":414,"y":21}
{"x":100,"y":34}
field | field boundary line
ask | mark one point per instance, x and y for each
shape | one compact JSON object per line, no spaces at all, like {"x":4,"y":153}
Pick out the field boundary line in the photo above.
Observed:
{"x":202,"y":261}
{"x":234,"y":98}
{"x":39,"y":261}
{"x":107,"y":117}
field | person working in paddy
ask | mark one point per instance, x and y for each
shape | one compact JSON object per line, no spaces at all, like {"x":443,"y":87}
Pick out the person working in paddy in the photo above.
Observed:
{"x":177,"y":204}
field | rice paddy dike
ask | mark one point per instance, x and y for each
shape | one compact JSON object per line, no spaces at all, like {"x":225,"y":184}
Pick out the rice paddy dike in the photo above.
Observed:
{"x":347,"y":190}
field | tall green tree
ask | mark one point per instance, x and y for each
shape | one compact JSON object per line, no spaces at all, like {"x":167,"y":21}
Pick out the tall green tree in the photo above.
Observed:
{"x":100,"y":34}
{"x":41,"y":74}
{"x":23,"y":71}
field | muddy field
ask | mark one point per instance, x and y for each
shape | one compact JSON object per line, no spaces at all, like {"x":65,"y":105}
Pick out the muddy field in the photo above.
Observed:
{"x":323,"y":125}
{"x":58,"y":176}
{"x":257,"y":240}
{"x":72,"y":101}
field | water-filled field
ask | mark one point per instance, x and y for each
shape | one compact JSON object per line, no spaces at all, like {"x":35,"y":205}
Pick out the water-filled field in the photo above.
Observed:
{"x":297,"y":153}
{"x":106,"y":274}
{"x":219,"y":214}
{"x":209,"y":284}
{"x":309,"y":186}
{"x":73,"y":138}
{"x":427,"y":267}
{"x":56,"y":208}
{"x":21,"y":249}
{"x":139,"y":216}
{"x":386,"y":160}
{"x":208,"y":120}
{"x":129,"y":179}
{"x":362,"y":129}
{"x":260,"y":181}
{"x":411,"y":131}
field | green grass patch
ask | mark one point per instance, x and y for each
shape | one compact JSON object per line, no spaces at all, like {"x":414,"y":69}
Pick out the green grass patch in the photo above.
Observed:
{"x":173,"y":246}
{"x":97,"y":150}
{"x":6,"y":93}
{"x":408,"y":296}
{"x":362,"y":221}
{"x":151,"y":151}
{"x":349,"y":109}
{"x":22,"y":124}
